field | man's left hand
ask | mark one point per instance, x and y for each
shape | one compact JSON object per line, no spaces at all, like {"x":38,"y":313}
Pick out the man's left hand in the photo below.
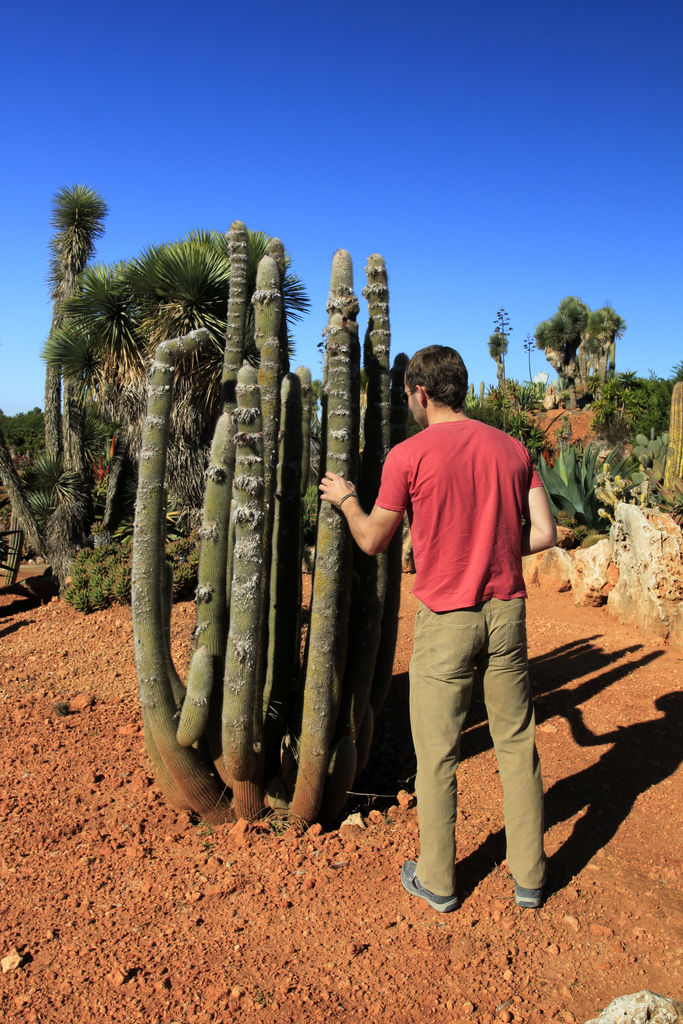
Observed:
{"x":333,"y":488}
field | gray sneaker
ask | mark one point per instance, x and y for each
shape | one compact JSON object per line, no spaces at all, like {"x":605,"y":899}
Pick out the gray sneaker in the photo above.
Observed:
{"x":529,"y":898}
{"x":409,"y":880}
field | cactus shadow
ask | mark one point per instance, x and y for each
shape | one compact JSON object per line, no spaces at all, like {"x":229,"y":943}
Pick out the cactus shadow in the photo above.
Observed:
{"x":391,"y":765}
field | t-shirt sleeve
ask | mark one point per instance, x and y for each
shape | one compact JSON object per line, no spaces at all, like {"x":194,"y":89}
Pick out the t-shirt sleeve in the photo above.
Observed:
{"x":535,"y":480}
{"x":393,"y":489}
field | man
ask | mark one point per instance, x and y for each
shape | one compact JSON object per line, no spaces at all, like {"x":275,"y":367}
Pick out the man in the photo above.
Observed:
{"x":475,"y":505}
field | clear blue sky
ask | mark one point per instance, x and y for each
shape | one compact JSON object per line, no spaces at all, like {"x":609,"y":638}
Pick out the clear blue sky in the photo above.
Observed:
{"x":496,"y":154}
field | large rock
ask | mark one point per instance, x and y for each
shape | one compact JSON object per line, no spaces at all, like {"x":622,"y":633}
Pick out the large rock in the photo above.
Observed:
{"x":549,"y":569}
{"x":647,"y":547}
{"x":593,"y":574}
{"x":640,"y":1008}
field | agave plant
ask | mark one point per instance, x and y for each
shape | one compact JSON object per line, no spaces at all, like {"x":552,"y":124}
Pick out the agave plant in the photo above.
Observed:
{"x":571,"y":483}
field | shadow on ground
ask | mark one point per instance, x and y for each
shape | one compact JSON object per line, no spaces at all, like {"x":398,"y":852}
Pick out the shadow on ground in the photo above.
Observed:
{"x":602,"y":795}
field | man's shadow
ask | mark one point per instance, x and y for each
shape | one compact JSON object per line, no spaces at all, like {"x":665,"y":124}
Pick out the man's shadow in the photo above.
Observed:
{"x":641,"y":755}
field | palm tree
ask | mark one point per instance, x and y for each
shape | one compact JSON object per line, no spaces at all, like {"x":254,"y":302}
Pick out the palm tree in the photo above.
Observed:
{"x":604,"y":327}
{"x":78,"y":214}
{"x":120,"y":315}
{"x":560,"y":338}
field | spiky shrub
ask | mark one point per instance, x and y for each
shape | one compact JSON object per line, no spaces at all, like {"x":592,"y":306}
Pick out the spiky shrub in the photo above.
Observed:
{"x":253,"y":727}
{"x":99,"y":578}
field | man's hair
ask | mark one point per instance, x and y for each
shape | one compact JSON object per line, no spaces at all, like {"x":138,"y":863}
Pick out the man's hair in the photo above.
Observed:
{"x":441,"y":372}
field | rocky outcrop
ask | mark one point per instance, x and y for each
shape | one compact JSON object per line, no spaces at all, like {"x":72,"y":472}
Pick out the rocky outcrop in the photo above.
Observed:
{"x":640,"y":1008}
{"x":593,"y":574}
{"x":647,"y":548}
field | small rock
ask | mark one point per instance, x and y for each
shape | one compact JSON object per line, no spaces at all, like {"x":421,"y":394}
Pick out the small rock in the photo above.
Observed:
{"x":236,"y":992}
{"x":81,"y":701}
{"x":405,"y":800}
{"x":571,"y":921}
{"x":354,"y":819}
{"x":116,"y":978}
{"x":376,"y":817}
{"x":11,"y":962}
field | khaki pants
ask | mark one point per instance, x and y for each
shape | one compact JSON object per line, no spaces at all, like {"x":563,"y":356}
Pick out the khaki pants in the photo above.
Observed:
{"x":447,"y":644}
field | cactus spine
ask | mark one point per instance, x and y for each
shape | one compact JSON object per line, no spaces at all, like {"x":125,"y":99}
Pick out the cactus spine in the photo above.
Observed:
{"x":674,"y":457}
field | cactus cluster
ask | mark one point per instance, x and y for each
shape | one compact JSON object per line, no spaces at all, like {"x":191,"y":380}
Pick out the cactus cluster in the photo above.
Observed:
{"x":258,"y":724}
{"x":660,"y":485}
{"x":651,"y":452}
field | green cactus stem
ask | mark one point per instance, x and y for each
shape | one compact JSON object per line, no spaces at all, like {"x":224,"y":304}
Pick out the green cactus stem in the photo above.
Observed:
{"x":195,"y":710}
{"x":340,"y":775}
{"x":180,"y":772}
{"x":366,"y":615}
{"x":241,"y":720}
{"x":283,"y":621}
{"x":331,"y":583}
{"x":674,"y":458}
{"x":216,"y":534}
{"x":238,"y":249}
{"x":277,"y":250}
{"x":389,"y":628}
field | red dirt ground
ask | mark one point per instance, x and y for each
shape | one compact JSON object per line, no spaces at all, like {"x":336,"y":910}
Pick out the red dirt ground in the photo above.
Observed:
{"x":122,"y":909}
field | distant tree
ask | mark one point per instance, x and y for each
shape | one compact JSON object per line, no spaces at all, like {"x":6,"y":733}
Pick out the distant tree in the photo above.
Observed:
{"x":603,"y":328}
{"x":78,"y":214}
{"x":498,"y":346}
{"x":498,"y":343}
{"x":560,"y":337}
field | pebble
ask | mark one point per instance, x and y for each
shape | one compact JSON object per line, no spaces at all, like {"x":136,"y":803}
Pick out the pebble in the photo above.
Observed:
{"x":11,"y":962}
{"x":405,"y":800}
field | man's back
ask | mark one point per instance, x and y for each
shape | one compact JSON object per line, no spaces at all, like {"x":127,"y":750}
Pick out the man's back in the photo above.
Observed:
{"x":465,"y":486}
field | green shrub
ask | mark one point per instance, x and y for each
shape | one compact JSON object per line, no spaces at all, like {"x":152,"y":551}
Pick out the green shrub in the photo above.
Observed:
{"x":101,"y":577}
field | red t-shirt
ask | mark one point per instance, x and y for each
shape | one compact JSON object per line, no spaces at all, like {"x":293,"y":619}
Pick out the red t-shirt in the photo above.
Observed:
{"x":464,"y":485}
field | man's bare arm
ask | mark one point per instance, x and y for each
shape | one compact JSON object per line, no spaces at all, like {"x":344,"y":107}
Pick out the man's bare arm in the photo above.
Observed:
{"x":371,"y":533}
{"x":540,"y":531}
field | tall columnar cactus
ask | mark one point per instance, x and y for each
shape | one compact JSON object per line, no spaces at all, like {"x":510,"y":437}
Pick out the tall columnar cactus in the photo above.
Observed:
{"x":183,"y":778}
{"x":242,"y":740}
{"x":224,"y":742}
{"x":333,"y":563}
{"x":674,"y":457}
{"x":364,"y":628}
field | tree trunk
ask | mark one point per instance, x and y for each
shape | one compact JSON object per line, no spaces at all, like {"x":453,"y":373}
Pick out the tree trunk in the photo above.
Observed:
{"x":53,"y":412}
{"x":15,"y":492}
